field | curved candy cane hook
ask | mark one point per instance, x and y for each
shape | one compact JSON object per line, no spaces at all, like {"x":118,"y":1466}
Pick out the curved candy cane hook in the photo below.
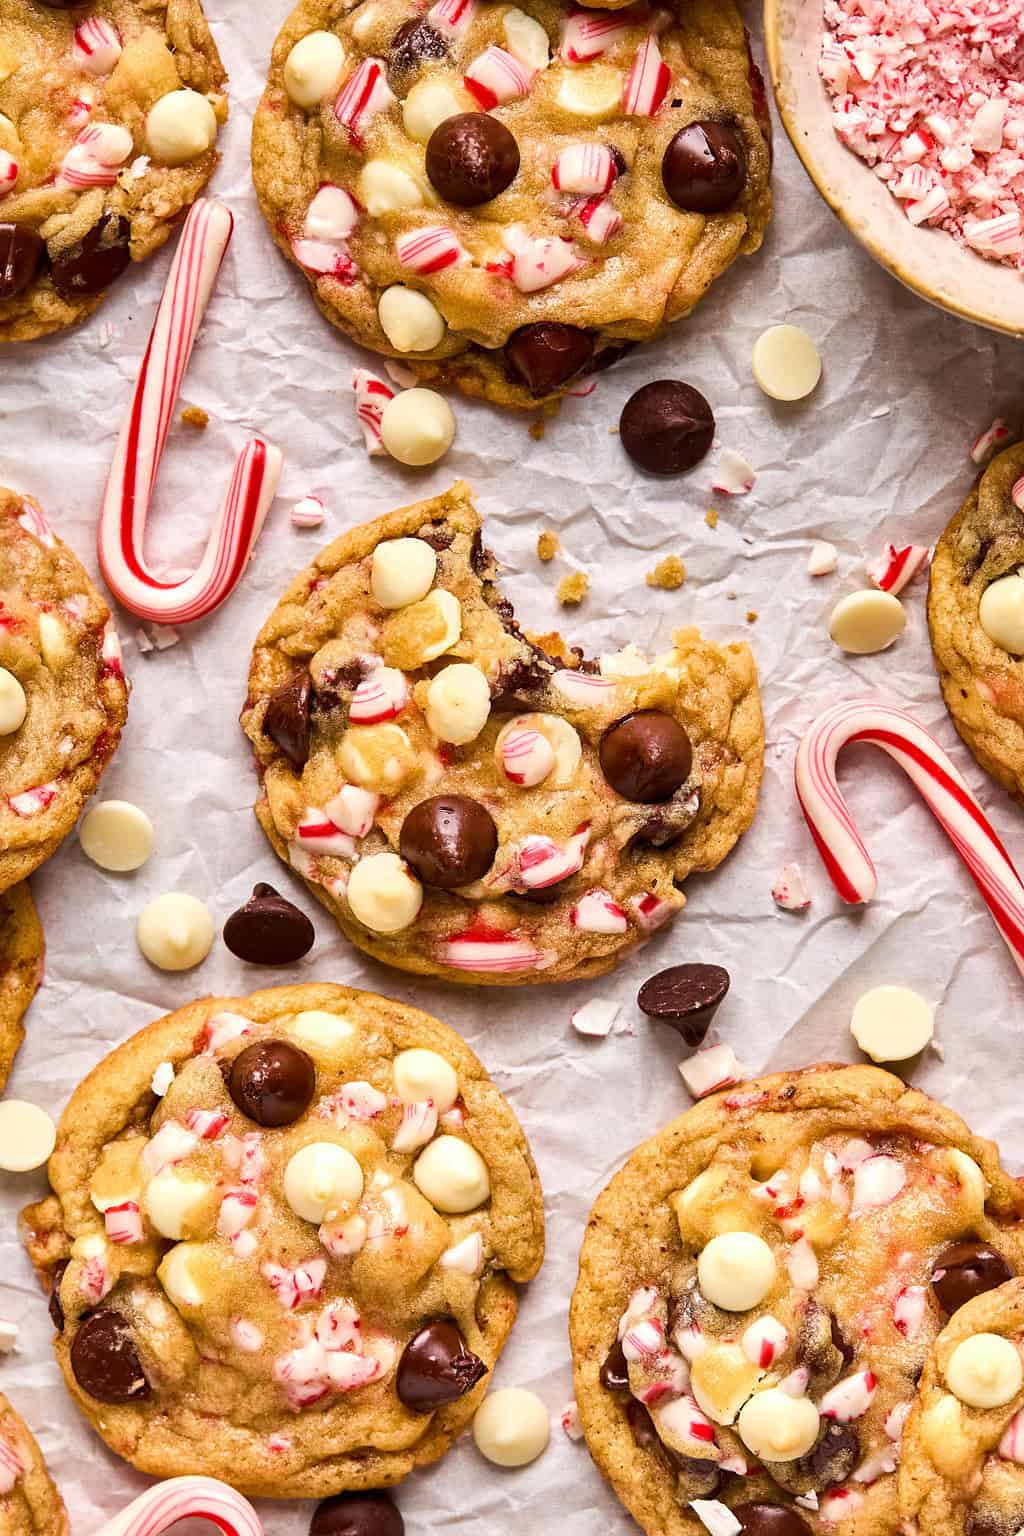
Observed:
{"x":944,"y":792}
{"x":126,"y":502}
{"x":183,"y":1498}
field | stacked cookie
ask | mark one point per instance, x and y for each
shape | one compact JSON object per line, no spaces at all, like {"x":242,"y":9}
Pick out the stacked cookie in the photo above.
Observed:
{"x":63,"y":702}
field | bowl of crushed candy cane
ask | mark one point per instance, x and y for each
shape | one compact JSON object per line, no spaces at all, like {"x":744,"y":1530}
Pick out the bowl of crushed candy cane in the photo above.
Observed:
{"x":909,"y":118}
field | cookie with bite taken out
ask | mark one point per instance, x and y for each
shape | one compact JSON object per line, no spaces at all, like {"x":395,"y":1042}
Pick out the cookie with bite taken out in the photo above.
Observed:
{"x":506,"y":198}
{"x":760,"y":1288}
{"x":296,"y":1269}
{"x":470,"y":802}
{"x":109,"y":112}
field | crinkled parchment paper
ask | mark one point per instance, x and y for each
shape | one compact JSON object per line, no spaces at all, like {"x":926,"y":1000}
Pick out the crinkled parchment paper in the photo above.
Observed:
{"x":880,"y":451}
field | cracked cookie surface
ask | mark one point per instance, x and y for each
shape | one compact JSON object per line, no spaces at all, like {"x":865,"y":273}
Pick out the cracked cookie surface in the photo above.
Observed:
{"x":243,"y":1270}
{"x":63,"y":694}
{"x":474,"y":804}
{"x":29,"y":1502}
{"x":760,"y":1287}
{"x":108,"y":114}
{"x":974,"y":574}
{"x":478,"y":190}
{"x":22,"y":948}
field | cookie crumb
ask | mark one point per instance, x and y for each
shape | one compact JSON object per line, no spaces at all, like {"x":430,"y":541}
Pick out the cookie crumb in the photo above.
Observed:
{"x":669,"y":574}
{"x":537,"y":429}
{"x":547,"y":545}
{"x":711,"y":517}
{"x":195,"y":416}
{"x":751,"y":615}
{"x":572,"y":589}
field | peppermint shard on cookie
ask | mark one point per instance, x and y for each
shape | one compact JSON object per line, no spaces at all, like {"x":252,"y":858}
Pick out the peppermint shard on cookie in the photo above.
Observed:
{"x":294,"y":1270}
{"x":508,"y":198}
{"x":976,"y":619}
{"x":470,"y":802}
{"x":760,"y":1288}
{"x":63,"y":694}
{"x":109,"y":112}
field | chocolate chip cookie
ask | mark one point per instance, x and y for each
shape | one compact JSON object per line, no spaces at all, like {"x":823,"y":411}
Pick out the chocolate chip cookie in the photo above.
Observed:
{"x":63,"y":694}
{"x":962,"y":1467}
{"x":29,"y":1503}
{"x":294,"y":1271}
{"x":976,"y":619}
{"x":21,"y":969}
{"x":109,"y":113}
{"x":760,"y":1288}
{"x":507,"y":198}
{"x":470,"y":802}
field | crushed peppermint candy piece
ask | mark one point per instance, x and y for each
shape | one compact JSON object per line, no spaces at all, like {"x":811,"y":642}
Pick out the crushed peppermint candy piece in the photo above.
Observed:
{"x":163,"y":1077}
{"x":823,"y":559}
{"x":595,"y":1018}
{"x":599,"y":218}
{"x":598,"y":912}
{"x":790,"y":890}
{"x":8,"y":1336}
{"x":372,"y":395}
{"x":716,"y":1517}
{"x":539,"y":261}
{"x":710,"y":1070}
{"x":850,"y":1398}
{"x":570,"y":1421}
{"x":96,"y":47}
{"x":988,"y":443}
{"x":584,"y":167}
{"x":364,"y":94}
{"x":430,"y":250}
{"x":647,"y":82}
{"x":733,"y":475}
{"x":466,"y":1257}
{"x":308,"y":512}
{"x":897,"y":566}
{"x":1017,"y":494}
{"x":876,"y":1183}
{"x":452,"y":18}
{"x":1011,"y":1446}
{"x":589,"y":34}
{"x":497,"y":77}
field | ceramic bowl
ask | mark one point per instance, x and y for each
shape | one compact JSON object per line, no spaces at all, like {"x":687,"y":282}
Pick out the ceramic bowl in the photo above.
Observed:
{"x":927,"y":260}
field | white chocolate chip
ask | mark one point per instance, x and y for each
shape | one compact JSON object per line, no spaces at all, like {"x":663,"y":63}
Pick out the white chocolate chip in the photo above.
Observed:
{"x":511,"y":1427}
{"x":527,"y":40}
{"x":970,"y":1178}
{"x":175,"y":931}
{"x":13,"y":704}
{"x":892,"y":1023}
{"x":320,"y":1178}
{"x":173,"y":1202}
{"x":27,"y":1136}
{"x":721,"y":1379}
{"x":325,"y":1030}
{"x":117,"y":835}
{"x":377,"y":757}
{"x":402,"y":572}
{"x":778,"y":1427}
{"x":452,"y":1175}
{"x":409,"y":320}
{"x":866,"y":622}
{"x":823,"y":559}
{"x":985,"y":1371}
{"x":1001,"y":613}
{"x":180,"y":127}
{"x":786,"y":362}
{"x":447,"y":609}
{"x":736,"y":1270}
{"x":382,"y":894}
{"x":420,"y":1074}
{"x":386,"y":188}
{"x":458,"y":703}
{"x":417,"y":427}
{"x":54,"y":641}
{"x":177,"y":1275}
{"x":313,"y":68}
{"x":429,"y":103}
{"x":591,"y":90}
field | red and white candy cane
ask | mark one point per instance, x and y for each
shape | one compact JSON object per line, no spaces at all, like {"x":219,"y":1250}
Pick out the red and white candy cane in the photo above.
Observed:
{"x":140,"y":447}
{"x":185,"y":1498}
{"x":942,"y":788}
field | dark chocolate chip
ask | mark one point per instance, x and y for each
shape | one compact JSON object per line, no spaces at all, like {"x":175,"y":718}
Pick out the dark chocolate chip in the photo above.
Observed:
{"x":965,"y":1270}
{"x":413,"y":44}
{"x":839,"y":1340}
{"x":829,"y":1461}
{"x":770,"y":1520}
{"x":21,"y":251}
{"x":438,"y":537}
{"x":519,"y":683}
{"x":685,"y":996}
{"x":666,"y":427}
{"x":642,"y":1426}
{"x":272,"y":1082}
{"x":615,"y":1370}
{"x":471,"y":157}
{"x":286,"y":721}
{"x":104,"y":1359}
{"x":95,"y":261}
{"x":646,"y":756}
{"x":704,"y":168}
{"x":55,"y":1306}
{"x":269,"y":929}
{"x":436,"y":1368}
{"x":357,"y":1514}
{"x":448,"y":840}
{"x":547,"y":354}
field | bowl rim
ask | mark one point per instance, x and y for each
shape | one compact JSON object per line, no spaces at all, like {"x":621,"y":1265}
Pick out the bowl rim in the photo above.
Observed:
{"x":873,"y":244}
